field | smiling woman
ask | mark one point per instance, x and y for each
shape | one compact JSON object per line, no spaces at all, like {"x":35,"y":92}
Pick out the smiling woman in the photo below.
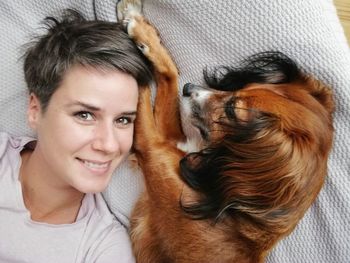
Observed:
{"x":83,"y":79}
{"x":91,"y":105}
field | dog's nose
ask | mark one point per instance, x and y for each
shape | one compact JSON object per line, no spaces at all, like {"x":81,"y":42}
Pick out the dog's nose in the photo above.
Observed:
{"x":187,"y":89}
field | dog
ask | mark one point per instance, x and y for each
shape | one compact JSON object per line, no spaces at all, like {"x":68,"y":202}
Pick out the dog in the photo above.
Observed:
{"x":261,"y":135}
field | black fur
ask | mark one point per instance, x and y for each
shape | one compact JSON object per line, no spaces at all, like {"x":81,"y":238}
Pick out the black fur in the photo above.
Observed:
{"x":266,"y":67}
{"x":207,"y":171}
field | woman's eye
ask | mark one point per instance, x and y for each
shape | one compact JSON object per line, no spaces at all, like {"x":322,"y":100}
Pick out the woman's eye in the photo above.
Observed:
{"x":124,"y":121}
{"x":84,"y":115}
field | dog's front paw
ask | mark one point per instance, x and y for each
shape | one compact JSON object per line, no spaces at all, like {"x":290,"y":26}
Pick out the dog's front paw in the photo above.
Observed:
{"x":129,"y":12}
{"x":126,"y":9}
{"x":141,"y":31}
{"x":143,"y":48}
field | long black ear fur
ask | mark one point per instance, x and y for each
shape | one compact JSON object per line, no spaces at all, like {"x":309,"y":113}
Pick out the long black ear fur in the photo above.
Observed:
{"x":267,"y":67}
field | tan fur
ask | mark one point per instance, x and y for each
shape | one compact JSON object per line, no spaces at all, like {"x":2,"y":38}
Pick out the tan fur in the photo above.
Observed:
{"x":161,"y":231}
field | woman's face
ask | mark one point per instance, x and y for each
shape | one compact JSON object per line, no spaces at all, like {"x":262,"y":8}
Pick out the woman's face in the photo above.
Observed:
{"x":87,"y":128}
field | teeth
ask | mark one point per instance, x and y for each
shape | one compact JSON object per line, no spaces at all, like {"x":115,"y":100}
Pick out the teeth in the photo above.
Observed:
{"x":95,"y":165}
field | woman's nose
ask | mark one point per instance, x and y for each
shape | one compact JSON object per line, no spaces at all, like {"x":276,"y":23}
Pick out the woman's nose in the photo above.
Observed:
{"x":105,"y":139}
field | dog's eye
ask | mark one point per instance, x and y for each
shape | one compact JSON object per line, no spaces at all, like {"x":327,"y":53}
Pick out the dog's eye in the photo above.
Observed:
{"x":229,"y":109}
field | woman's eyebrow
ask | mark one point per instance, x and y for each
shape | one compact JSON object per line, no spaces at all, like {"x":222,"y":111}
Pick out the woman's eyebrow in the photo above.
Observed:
{"x":128,"y":113}
{"x":95,"y":108}
{"x":83,"y":104}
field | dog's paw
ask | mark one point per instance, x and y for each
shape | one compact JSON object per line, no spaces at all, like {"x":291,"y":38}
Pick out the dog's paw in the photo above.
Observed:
{"x":126,"y":9}
{"x":143,"y":48}
{"x":129,"y":12}
{"x":135,"y":26}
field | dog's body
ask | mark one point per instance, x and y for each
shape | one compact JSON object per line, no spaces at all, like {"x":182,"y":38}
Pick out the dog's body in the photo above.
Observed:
{"x":264,"y":135}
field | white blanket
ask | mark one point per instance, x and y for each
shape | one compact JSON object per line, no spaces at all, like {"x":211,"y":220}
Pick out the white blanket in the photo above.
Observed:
{"x":208,"y":33}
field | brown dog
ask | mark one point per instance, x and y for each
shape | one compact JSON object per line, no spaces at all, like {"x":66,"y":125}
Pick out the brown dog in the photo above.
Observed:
{"x":264,"y":136}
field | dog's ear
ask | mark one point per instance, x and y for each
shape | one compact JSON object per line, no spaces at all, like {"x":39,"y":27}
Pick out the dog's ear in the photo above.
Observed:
{"x":200,"y":173}
{"x":248,"y":182}
{"x":236,"y":176}
{"x":229,"y":180}
{"x":269,"y":67}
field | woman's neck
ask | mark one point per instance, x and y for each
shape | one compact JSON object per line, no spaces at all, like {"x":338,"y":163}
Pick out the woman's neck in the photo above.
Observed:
{"x":47,"y":202}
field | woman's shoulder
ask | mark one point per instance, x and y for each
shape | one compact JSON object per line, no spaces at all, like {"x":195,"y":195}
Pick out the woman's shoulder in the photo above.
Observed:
{"x":6,"y":140}
{"x":10,"y":148}
{"x":10,"y":142}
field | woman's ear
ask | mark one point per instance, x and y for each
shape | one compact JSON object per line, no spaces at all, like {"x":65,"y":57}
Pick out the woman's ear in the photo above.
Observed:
{"x":33,"y":111}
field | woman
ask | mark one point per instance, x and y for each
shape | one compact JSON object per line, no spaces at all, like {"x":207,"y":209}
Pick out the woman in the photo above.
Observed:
{"x":83,"y":79}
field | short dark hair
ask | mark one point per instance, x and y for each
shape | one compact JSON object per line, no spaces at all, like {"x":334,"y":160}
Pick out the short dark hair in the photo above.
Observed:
{"x":74,"y":40}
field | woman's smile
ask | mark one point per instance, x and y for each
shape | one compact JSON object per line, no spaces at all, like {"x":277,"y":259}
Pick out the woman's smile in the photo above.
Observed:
{"x":96,"y":166}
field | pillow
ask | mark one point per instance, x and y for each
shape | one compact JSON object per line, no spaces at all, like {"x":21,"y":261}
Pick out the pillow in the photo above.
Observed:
{"x":208,"y":33}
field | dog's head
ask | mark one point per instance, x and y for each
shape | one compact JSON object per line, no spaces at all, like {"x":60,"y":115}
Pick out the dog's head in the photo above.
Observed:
{"x":266,"y":132}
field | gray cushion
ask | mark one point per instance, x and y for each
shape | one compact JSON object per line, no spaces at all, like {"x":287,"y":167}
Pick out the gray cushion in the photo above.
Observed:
{"x":208,"y":33}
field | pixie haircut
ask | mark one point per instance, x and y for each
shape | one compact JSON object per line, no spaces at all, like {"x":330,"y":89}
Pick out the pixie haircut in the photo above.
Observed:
{"x":74,"y":40}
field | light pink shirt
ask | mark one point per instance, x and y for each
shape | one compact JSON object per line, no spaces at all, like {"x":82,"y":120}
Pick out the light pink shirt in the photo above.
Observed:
{"x":96,"y":236}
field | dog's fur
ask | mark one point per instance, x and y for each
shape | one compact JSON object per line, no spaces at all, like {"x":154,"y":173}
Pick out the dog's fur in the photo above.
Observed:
{"x":265,"y":135}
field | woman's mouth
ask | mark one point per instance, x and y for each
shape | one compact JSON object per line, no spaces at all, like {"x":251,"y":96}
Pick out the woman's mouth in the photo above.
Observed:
{"x":96,"y":166}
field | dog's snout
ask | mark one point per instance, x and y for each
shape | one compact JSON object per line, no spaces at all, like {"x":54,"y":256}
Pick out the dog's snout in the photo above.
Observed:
{"x":187,"y":89}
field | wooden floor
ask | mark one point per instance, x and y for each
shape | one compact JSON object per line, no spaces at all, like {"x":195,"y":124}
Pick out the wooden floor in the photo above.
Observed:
{"x":343,"y":9}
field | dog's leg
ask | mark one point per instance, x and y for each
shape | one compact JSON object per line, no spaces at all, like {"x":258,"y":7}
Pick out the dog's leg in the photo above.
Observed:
{"x":166,"y":109}
{"x":156,"y":133}
{"x":157,"y":156}
{"x":163,"y":187}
